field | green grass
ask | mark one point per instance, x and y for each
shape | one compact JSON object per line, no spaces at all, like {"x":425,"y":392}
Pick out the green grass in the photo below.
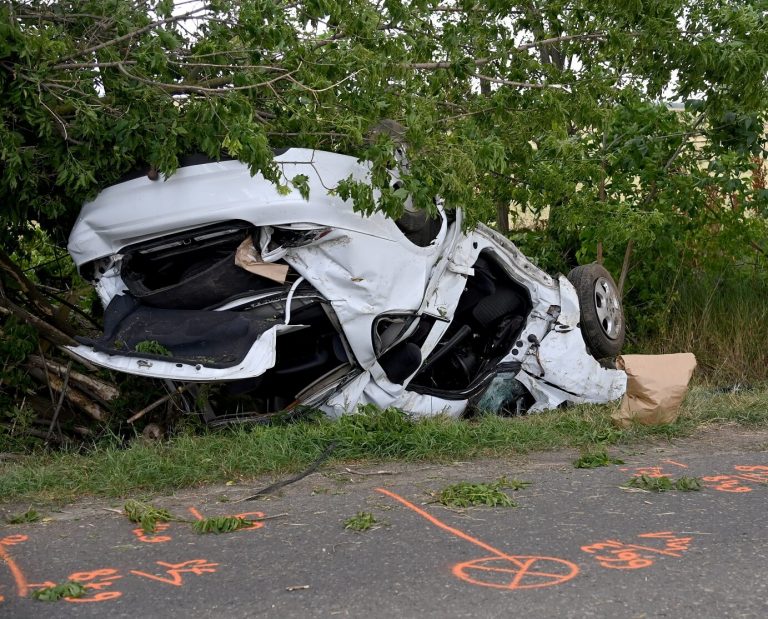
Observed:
{"x":190,"y":460}
{"x":724,"y":321}
{"x":361,"y":521}
{"x":26,"y":517}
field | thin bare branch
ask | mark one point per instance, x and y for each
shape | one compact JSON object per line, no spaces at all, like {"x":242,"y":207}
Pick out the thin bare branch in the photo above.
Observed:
{"x":500,"y":80}
{"x":561,"y":39}
{"x":194,"y":88}
{"x":443,"y":64}
{"x":137,"y":32}
{"x":91,"y":65}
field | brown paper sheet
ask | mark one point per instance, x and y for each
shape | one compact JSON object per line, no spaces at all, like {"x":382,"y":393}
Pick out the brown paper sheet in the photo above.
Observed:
{"x":249,"y":258}
{"x":656,"y":387}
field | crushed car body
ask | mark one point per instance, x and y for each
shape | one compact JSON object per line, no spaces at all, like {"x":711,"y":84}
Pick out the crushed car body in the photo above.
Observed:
{"x":215,"y":276}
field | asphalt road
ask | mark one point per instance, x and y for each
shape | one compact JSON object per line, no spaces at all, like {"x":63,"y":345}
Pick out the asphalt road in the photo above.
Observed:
{"x":578,"y":545}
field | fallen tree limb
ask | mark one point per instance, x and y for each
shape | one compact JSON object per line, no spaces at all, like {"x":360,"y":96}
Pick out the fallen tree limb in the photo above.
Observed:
{"x":25,"y":285}
{"x":48,"y":331}
{"x":95,"y":387}
{"x":59,"y":404}
{"x":156,"y":403}
{"x":75,"y":397}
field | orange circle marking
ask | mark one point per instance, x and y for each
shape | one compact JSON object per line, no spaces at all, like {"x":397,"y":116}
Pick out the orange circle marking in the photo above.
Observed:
{"x":516,"y":572}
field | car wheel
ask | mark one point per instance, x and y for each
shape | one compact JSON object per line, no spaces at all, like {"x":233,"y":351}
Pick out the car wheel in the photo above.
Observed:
{"x":602,"y":317}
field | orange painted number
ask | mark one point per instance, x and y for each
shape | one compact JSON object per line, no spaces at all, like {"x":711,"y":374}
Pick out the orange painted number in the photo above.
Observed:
{"x":153,"y":538}
{"x":248,"y":516}
{"x":96,"y":580}
{"x":726,"y":483}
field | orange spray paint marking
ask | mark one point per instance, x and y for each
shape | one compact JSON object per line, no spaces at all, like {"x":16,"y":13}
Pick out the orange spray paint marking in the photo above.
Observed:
{"x":175,"y":571}
{"x":621,"y":556}
{"x":501,"y":571}
{"x":96,"y":580}
{"x":248,"y":516}
{"x":726,"y":483}
{"x":153,"y":538}
{"x":22,"y":587}
{"x":757,"y":473}
{"x":651,"y":471}
{"x":673,"y":463}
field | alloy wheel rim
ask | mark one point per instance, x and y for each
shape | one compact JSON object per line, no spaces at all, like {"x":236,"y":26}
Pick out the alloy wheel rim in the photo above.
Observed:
{"x":608,"y":307}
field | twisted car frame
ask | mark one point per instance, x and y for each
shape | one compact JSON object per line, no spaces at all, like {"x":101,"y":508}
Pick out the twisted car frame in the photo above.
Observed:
{"x":214,"y":276}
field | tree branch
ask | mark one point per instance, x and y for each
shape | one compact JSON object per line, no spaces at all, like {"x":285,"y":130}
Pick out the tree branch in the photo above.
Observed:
{"x":443,"y":64}
{"x":561,"y":39}
{"x":190,"y":88}
{"x":135,"y":33}
{"x":500,"y":80}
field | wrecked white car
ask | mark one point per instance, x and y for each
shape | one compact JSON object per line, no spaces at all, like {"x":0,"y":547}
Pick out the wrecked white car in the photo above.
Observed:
{"x":215,"y":276}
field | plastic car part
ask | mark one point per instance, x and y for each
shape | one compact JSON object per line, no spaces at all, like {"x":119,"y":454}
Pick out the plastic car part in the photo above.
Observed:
{"x":602,"y":316}
{"x":400,"y":362}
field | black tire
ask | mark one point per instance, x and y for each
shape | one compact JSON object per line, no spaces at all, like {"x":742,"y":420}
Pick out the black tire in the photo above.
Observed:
{"x":602,"y":316}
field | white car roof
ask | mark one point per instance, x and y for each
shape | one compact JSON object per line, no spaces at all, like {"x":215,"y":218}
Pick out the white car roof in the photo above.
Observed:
{"x":142,"y":209}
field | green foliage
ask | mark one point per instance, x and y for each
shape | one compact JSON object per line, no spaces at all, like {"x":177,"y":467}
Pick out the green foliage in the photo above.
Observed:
{"x":362,"y":521}
{"x":652,"y":484}
{"x":465,"y":494}
{"x":146,"y":515}
{"x":595,"y":459}
{"x":112,"y":469}
{"x":17,"y":340}
{"x":257,"y":75}
{"x":688,"y":484}
{"x":662,"y":484}
{"x":69,"y":589}
{"x":26,"y":517}
{"x":152,"y":347}
{"x":220,"y":524}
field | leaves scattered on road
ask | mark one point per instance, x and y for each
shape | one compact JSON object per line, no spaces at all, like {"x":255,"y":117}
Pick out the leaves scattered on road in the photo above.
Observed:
{"x":663,"y":484}
{"x":221,"y":524}
{"x":70,"y":589}
{"x":465,"y":494}
{"x":595,"y":459}
{"x":146,"y":515}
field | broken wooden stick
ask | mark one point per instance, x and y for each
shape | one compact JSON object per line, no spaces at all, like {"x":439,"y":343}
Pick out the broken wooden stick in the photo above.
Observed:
{"x":156,"y":403}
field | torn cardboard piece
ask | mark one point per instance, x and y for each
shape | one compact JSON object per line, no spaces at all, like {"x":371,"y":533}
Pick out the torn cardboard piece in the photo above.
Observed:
{"x":656,"y":387}
{"x":249,"y":258}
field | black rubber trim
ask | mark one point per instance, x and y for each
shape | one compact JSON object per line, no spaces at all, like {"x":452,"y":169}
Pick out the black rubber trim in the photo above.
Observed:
{"x":469,"y":392}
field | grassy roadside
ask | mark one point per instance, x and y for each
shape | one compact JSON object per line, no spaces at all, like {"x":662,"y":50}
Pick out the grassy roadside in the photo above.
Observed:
{"x":189,"y":460}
